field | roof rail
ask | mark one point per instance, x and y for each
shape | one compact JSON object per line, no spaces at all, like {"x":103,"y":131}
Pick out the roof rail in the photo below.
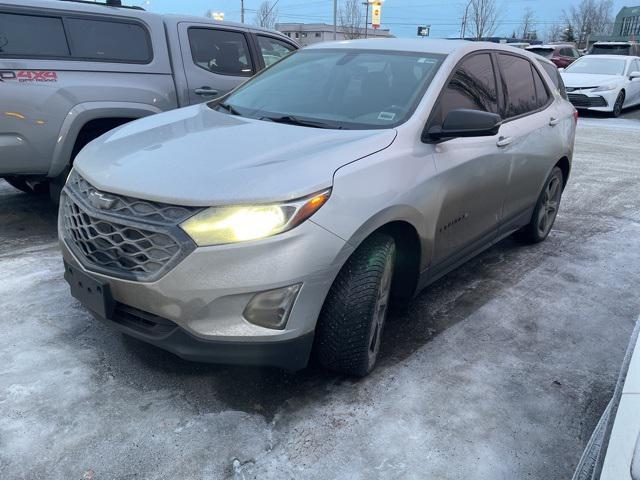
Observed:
{"x":107,"y":3}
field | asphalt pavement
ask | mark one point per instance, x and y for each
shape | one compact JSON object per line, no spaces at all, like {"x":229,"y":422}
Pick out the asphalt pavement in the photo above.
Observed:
{"x":498,"y":371}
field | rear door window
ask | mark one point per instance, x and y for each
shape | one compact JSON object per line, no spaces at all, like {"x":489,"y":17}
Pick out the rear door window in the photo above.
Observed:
{"x":518,"y":89}
{"x":220,"y":51}
{"x":32,"y":36}
{"x":473,"y":86}
{"x":108,"y":41}
{"x":273,"y":49}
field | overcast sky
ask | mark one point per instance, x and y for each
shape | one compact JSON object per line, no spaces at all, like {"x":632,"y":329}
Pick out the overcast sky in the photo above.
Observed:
{"x":401,"y":16}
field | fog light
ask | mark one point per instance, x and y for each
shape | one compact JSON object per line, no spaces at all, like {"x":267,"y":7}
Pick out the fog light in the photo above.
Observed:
{"x":271,"y":308}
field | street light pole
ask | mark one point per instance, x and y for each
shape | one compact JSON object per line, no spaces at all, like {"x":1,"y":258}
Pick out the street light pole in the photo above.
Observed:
{"x":335,"y":19}
{"x":241,"y":11}
{"x":366,"y":20}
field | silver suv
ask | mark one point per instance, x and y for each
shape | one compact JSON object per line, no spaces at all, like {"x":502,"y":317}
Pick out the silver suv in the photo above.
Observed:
{"x":287,"y":215}
{"x":71,"y":71}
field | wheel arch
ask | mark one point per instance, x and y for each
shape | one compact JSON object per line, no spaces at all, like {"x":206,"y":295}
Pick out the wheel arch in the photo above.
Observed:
{"x":88,"y":115}
{"x":565,"y":165}
{"x":402,"y":224}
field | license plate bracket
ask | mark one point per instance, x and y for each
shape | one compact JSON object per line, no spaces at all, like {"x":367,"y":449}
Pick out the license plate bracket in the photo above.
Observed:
{"x":91,"y":292}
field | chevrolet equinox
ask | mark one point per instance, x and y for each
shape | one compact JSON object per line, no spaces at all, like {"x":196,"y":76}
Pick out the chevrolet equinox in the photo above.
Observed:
{"x":282,"y":218}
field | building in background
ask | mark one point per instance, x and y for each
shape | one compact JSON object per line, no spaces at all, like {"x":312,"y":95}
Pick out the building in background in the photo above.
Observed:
{"x":309,"y":33}
{"x":626,"y":28}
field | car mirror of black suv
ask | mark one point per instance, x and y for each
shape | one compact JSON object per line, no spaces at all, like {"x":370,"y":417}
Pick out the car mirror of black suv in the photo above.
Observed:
{"x":464,"y":123}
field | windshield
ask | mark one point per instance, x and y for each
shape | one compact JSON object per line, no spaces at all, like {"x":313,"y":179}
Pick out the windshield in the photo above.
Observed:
{"x":598,"y":66}
{"x":544,"y":52}
{"x":337,"y":88}
{"x":610,"y":50}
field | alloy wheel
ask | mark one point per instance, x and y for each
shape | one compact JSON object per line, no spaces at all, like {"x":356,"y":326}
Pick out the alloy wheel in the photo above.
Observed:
{"x":549,"y":208}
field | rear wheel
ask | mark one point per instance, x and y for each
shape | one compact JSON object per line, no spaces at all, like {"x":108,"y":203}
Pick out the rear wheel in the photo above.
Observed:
{"x":546,"y":210}
{"x":617,"y":107}
{"x":352,"y":320}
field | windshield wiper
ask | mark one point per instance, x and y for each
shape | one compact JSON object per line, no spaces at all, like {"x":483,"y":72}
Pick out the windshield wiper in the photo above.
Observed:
{"x":229,"y":108}
{"x":292,"y":120}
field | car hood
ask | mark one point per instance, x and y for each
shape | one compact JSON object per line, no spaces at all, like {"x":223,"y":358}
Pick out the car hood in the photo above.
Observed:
{"x":579,"y":80}
{"x":198,"y":157}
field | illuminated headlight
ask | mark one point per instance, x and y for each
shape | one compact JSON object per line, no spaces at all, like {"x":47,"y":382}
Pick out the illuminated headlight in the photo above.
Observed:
{"x":220,"y":225}
{"x":606,"y":88}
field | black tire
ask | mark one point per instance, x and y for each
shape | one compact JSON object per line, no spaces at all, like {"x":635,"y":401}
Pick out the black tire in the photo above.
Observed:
{"x":20,"y":184}
{"x":544,"y":215}
{"x":352,"y":319}
{"x":617,"y":107}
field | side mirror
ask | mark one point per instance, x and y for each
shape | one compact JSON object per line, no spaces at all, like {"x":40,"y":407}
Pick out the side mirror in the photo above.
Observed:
{"x":464,"y":123}
{"x":634,"y":75}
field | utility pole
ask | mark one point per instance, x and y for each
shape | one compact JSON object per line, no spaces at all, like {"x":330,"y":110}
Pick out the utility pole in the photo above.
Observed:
{"x":366,"y":19}
{"x":241,"y":11}
{"x":463,"y":28}
{"x":335,"y":19}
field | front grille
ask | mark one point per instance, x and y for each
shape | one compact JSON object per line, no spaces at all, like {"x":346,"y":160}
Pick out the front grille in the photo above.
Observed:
{"x":584,"y":101}
{"x":122,"y":237}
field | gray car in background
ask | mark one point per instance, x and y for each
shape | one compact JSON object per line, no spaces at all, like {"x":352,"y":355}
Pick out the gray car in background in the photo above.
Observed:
{"x":71,"y":71}
{"x":286,"y":216}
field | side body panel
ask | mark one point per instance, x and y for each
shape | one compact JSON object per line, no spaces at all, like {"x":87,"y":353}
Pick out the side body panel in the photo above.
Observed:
{"x":40,"y":97}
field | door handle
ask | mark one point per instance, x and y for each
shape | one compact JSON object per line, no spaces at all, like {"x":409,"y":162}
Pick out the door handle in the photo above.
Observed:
{"x":205,"y":91}
{"x":554,"y":121}
{"x":504,"y":141}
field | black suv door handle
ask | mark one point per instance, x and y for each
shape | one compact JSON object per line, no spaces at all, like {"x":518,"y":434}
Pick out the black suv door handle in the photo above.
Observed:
{"x":205,"y":91}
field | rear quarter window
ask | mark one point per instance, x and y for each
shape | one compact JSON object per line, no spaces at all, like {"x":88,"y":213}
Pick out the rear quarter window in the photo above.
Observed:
{"x":32,"y":35}
{"x":108,"y":40}
{"x":555,"y":77}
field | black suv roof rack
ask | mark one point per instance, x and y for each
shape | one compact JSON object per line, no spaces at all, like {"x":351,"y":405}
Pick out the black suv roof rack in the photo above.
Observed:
{"x":107,"y":3}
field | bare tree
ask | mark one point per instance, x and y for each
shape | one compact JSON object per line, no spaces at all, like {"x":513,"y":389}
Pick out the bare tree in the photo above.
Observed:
{"x":590,"y":17}
{"x":555,"y":32}
{"x":350,"y":19}
{"x":527,"y":24}
{"x":267,"y":15}
{"x":484,"y":18}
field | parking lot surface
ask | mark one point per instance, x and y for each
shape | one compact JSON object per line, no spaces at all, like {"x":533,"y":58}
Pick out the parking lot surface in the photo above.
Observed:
{"x":498,"y":371}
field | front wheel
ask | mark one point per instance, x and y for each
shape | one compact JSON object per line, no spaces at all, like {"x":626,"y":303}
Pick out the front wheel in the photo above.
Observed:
{"x":546,"y":210}
{"x":617,"y":107}
{"x":352,"y":319}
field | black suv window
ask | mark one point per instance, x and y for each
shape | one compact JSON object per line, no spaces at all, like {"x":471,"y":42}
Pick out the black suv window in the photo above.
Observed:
{"x":554,"y":74}
{"x":220,"y":51}
{"x":108,"y":41}
{"x":518,"y":89}
{"x":472,"y":86}
{"x":32,"y":35}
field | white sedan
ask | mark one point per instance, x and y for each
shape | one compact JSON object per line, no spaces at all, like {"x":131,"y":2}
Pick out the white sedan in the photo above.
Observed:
{"x":605,"y":83}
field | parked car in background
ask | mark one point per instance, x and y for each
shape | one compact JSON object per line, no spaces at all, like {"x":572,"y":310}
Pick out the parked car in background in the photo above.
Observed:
{"x":287,"y":215}
{"x":561,"y":55}
{"x":71,"y":71}
{"x":615,"y":48}
{"x":604,"y":83}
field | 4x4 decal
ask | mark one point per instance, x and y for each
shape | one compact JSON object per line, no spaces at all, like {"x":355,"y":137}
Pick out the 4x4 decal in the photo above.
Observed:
{"x":29,"y":75}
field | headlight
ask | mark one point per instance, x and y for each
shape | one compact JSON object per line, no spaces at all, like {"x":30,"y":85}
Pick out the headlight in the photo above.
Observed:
{"x":220,"y":225}
{"x":605,"y":88}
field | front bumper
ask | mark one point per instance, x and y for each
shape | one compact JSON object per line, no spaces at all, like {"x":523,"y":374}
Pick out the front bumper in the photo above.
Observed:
{"x":201,"y":299}
{"x":597,"y":101}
